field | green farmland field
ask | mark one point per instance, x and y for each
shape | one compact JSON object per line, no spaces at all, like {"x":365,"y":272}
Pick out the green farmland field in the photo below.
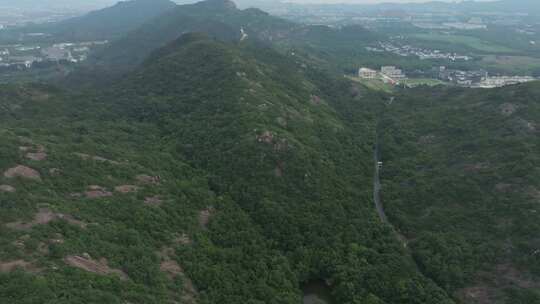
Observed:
{"x":471,"y":42}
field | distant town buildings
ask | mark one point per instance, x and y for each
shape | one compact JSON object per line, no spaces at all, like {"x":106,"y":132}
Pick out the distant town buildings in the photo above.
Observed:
{"x":20,"y":56}
{"x":478,"y":78}
{"x":366,"y":73}
{"x":387,"y":74}
{"x":424,"y":54}
{"x":392,"y":72}
{"x":26,"y":61}
{"x":501,"y":81}
{"x":465,"y":26}
{"x":459,"y":77}
{"x":55,"y":53}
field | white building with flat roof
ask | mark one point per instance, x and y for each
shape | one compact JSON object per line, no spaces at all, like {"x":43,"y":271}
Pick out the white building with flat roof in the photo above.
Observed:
{"x":367,"y":73}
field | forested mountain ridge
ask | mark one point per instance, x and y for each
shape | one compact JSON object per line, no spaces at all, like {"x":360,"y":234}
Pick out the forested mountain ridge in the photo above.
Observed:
{"x":224,"y":168}
{"x":218,"y":18}
{"x":109,"y":23}
{"x":222,"y":20}
{"x":460,"y":181}
{"x":112,"y":22}
{"x":223,"y":172}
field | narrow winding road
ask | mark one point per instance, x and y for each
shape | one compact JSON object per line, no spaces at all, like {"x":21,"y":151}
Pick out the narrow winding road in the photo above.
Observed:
{"x":377,"y":183}
{"x":377,"y":192}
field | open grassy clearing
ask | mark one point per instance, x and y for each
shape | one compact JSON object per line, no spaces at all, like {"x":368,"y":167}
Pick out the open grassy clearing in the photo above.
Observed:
{"x":423,"y":81}
{"x":512,"y":64}
{"x":471,"y":42}
{"x":374,"y":84}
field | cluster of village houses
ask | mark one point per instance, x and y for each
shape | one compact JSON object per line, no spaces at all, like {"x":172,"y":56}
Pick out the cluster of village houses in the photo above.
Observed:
{"x":473,"y":79}
{"x":25,"y":56}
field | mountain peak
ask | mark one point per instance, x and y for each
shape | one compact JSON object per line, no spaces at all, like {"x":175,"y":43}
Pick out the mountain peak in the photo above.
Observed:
{"x":218,"y":4}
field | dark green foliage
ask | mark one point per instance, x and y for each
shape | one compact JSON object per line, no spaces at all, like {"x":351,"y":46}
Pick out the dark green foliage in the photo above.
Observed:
{"x":279,"y":152}
{"x":460,"y":181}
{"x":265,"y":165}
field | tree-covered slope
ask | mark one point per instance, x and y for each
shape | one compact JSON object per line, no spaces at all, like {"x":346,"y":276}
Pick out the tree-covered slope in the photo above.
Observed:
{"x":112,"y":22}
{"x":214,"y":173}
{"x":100,"y":210}
{"x":461,"y":182}
{"x":218,"y":18}
{"x":271,"y":138}
{"x":222,"y":20}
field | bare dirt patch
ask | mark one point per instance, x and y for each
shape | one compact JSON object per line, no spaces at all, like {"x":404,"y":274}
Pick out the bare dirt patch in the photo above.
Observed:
{"x":172,"y":269}
{"x":38,"y":156}
{"x":168,"y":265}
{"x":97,"y":192}
{"x":13,"y":265}
{"x":147,"y":179}
{"x":101,"y":267}
{"x":7,"y":188}
{"x":22,"y":172}
{"x":204,"y":217}
{"x":85,"y":156}
{"x":182,"y":239}
{"x":43,"y":217}
{"x":510,"y":275}
{"x":490,"y":283}
{"x":126,"y":189}
{"x":153,"y":201}
{"x":477,"y":295}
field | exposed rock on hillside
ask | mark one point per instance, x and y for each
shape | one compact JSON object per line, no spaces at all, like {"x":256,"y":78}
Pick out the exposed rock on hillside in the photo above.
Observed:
{"x":7,"y":188}
{"x":101,"y":267}
{"x":22,"y":172}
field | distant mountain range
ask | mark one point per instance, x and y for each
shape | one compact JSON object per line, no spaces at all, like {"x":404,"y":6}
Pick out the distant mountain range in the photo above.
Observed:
{"x":514,"y":6}
{"x":223,"y":21}
{"x":505,"y":6}
{"x":56,"y":4}
{"x":108,"y":23}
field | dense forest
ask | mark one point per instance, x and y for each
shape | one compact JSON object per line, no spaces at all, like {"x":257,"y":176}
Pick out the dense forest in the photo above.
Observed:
{"x":460,"y":178}
{"x":223,"y":168}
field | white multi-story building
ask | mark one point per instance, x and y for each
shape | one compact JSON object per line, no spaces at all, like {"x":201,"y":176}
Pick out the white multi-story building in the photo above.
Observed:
{"x":367,"y":73}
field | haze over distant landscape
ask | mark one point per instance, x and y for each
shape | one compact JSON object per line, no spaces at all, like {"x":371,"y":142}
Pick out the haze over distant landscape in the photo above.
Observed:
{"x":98,"y":3}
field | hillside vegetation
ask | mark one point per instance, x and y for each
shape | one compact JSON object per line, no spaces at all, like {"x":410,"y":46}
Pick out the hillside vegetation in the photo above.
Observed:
{"x":460,"y":181}
{"x":233,"y":163}
{"x":213,"y":173}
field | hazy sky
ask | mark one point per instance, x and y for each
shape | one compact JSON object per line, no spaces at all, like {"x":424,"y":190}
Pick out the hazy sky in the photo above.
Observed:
{"x":368,"y":1}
